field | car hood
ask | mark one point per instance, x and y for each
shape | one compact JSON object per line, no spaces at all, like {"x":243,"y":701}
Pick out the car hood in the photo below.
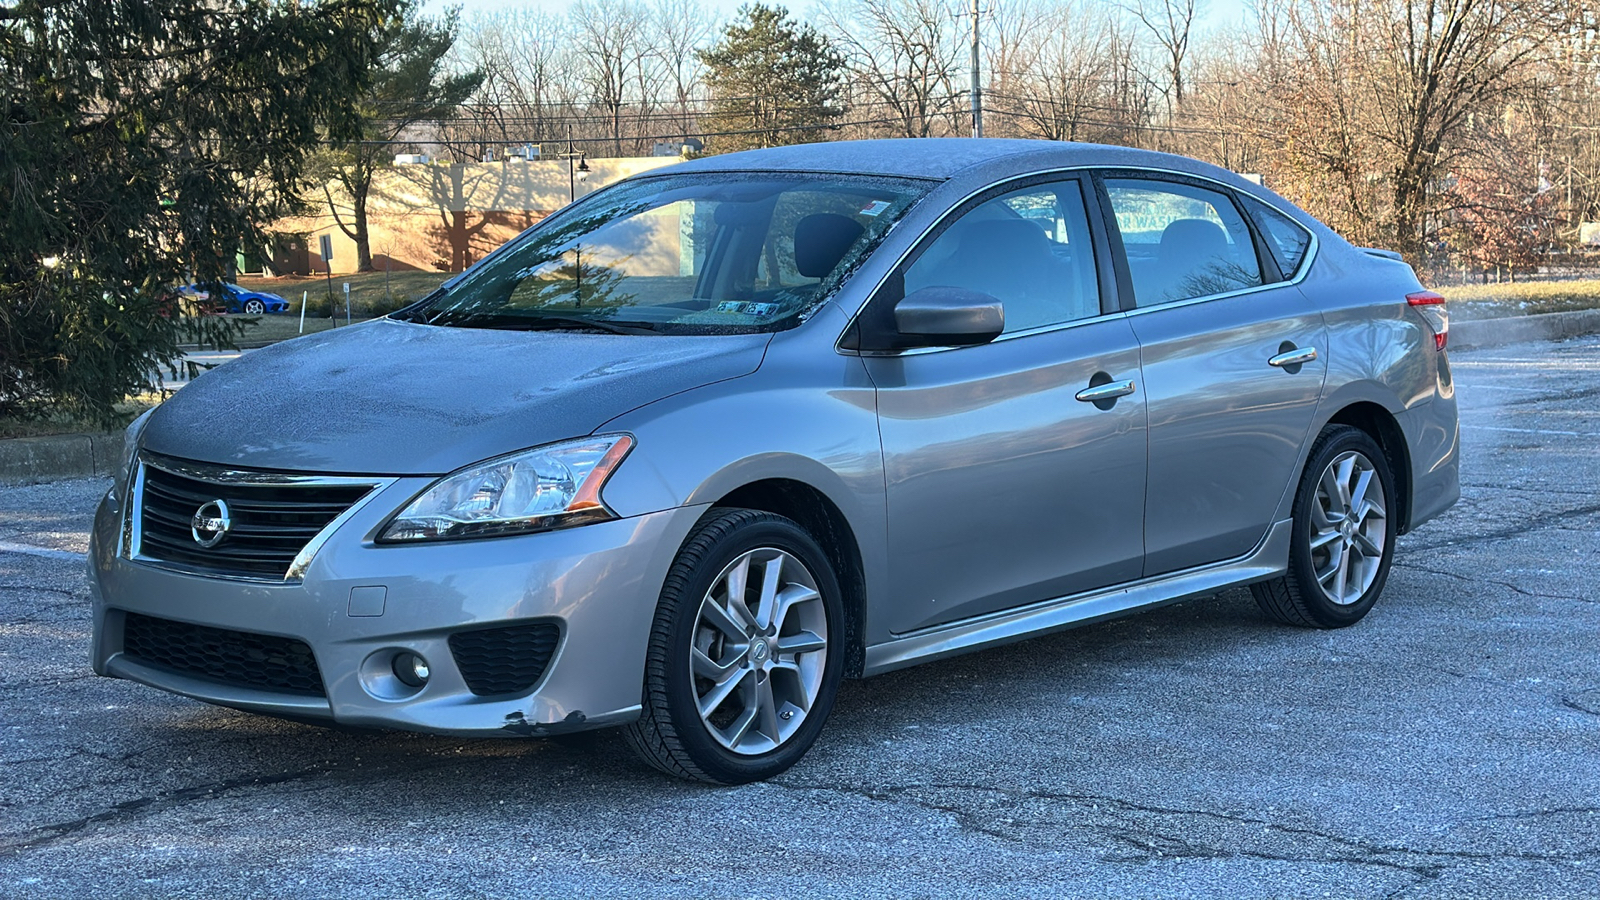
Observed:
{"x":394,"y":398}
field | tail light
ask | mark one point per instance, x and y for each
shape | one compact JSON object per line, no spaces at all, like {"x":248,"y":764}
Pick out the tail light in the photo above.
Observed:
{"x":1431,"y":306}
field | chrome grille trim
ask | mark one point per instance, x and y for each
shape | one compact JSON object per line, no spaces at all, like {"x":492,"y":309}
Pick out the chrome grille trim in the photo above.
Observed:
{"x":225,"y":476}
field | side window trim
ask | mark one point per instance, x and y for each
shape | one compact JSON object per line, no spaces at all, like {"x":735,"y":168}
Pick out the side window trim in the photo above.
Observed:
{"x":874,"y":315}
{"x":1121,"y":257}
{"x":1095,"y":207}
{"x":1266,"y":259}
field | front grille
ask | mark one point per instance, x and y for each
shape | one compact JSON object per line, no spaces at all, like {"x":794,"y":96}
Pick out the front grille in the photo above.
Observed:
{"x":272,"y":519}
{"x":504,"y":660}
{"x":231,"y":657}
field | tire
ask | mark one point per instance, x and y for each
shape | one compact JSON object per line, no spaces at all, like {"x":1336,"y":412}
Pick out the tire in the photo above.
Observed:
{"x":766,"y":669}
{"x":254,"y":307}
{"x":1311,"y":594}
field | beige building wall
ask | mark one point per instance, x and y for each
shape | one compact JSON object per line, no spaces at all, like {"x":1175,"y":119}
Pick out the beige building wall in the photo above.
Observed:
{"x":445,"y":216}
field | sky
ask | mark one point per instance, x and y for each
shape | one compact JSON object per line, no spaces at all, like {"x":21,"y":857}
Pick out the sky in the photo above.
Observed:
{"x":1217,"y":13}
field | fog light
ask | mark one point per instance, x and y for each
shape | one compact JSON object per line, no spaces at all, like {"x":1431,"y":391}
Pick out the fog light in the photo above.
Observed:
{"x":411,"y":669}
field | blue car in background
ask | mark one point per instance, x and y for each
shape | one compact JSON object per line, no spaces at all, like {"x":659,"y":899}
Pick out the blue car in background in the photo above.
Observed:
{"x":232,"y":298}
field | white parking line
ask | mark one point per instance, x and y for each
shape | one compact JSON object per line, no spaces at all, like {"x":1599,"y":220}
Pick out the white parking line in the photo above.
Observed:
{"x":46,"y":552}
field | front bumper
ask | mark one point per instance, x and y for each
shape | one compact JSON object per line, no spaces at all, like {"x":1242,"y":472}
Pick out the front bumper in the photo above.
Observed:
{"x":598,"y":582}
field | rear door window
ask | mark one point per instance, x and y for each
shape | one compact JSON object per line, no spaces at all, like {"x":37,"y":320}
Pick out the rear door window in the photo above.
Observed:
{"x":1181,"y":241}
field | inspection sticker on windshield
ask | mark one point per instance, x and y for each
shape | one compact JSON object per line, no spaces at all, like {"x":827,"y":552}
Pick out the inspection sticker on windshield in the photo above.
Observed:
{"x":747,"y":308}
{"x":760,"y":310}
{"x":875,"y":207}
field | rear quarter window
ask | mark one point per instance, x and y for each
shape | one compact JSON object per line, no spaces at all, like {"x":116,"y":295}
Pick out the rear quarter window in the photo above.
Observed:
{"x":1287,"y":240}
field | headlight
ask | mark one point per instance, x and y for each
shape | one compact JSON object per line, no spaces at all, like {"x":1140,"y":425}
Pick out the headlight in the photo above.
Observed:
{"x":555,"y":486}
{"x":130,"y":449}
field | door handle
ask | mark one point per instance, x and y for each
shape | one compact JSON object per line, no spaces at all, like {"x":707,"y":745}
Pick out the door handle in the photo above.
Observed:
{"x":1108,"y":391}
{"x":1294,"y":357}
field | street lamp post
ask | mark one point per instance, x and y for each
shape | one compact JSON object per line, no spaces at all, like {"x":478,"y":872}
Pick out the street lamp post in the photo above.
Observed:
{"x":572,"y":173}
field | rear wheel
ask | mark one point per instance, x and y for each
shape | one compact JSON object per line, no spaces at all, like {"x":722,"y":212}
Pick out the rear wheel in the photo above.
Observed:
{"x":1343,"y":538}
{"x":743,"y":665}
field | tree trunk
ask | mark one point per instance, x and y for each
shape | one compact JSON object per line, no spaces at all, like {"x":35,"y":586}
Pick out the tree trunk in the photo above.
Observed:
{"x":1410,"y":198}
{"x":363,"y":242}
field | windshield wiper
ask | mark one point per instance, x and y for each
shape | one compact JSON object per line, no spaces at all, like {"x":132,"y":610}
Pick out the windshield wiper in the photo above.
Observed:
{"x":419,"y":309}
{"x":559,"y":323}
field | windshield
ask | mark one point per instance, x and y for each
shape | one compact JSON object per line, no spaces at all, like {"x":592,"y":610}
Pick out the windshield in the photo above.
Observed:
{"x":687,"y":254}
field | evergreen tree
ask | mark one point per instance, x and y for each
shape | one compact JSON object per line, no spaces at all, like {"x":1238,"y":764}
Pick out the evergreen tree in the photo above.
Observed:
{"x":773,"y":82}
{"x":410,"y":86}
{"x":143,"y":143}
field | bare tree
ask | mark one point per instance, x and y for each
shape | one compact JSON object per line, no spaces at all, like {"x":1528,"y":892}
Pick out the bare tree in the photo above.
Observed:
{"x":680,"y":29}
{"x":1072,"y":86}
{"x":529,"y":84}
{"x":615,"y":62}
{"x":1170,"y":23}
{"x":904,"y":55}
{"x":1436,"y":64}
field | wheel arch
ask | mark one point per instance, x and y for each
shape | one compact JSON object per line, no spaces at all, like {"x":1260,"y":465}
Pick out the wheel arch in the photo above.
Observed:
{"x":1381,"y":425}
{"x":821,"y":518}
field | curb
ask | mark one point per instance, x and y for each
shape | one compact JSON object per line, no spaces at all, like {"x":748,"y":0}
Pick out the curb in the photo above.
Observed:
{"x":40,"y":459}
{"x":1522,"y":329}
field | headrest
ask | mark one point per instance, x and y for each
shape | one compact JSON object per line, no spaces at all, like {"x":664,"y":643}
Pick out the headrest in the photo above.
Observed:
{"x":1193,"y":237}
{"x":1004,"y":238}
{"x":821,"y":240}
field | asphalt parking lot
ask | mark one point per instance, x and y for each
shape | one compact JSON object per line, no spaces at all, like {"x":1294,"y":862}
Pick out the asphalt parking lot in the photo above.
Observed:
{"x":1448,"y":746}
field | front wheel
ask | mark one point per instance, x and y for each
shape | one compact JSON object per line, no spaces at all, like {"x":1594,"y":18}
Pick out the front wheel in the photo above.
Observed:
{"x":1343,"y":537}
{"x":254,"y":307}
{"x":744,"y":657}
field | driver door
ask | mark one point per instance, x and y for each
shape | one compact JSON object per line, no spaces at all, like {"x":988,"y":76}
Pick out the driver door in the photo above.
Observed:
{"x":1004,"y":488}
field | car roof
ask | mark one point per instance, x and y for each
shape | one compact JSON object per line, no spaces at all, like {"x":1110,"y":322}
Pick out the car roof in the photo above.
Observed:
{"x":944,"y":158}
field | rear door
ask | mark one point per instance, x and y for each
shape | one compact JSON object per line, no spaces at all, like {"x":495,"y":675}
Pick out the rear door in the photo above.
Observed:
{"x":1004,"y":488}
{"x":1233,"y":358}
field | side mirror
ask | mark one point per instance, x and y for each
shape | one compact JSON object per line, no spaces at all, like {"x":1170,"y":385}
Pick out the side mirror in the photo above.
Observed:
{"x":940,"y":316}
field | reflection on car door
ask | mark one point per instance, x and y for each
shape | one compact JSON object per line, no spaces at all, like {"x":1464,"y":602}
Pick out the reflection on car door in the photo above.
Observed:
{"x":1226,"y":423}
{"x":1003,"y":487}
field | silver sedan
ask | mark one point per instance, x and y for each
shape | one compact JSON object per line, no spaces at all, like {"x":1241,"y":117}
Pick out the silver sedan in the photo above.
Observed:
{"x":690,"y":451}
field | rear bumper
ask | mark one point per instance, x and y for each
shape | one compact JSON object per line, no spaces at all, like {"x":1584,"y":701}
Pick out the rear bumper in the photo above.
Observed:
{"x":599,"y":583}
{"x":1433,"y":434}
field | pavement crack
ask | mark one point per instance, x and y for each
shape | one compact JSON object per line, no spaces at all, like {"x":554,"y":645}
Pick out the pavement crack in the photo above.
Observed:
{"x":1476,"y":580}
{"x":1576,"y":706}
{"x":1547,"y":520}
{"x":36,"y":589}
{"x":1426,"y":863}
{"x":48,"y":834}
{"x":1544,"y":399}
{"x":1540,"y":491}
{"x":1540,"y":813}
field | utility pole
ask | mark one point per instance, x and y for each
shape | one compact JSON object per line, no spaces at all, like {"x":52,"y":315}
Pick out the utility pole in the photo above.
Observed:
{"x":977,"y":89}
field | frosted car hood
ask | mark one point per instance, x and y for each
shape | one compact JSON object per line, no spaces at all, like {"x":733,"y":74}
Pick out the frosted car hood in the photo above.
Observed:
{"x":393,"y":398}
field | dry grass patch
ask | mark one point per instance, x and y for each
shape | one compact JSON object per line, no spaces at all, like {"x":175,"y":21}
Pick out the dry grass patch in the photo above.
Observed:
{"x":1496,"y":301}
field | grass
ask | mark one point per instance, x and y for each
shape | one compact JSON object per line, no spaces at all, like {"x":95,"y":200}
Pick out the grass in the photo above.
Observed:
{"x":272,"y":329}
{"x":1497,"y":301}
{"x":370,"y":292}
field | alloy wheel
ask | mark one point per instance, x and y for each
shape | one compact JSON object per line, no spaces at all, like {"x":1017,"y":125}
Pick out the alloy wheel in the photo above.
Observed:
{"x":759,"y":651}
{"x":1348,"y":528}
